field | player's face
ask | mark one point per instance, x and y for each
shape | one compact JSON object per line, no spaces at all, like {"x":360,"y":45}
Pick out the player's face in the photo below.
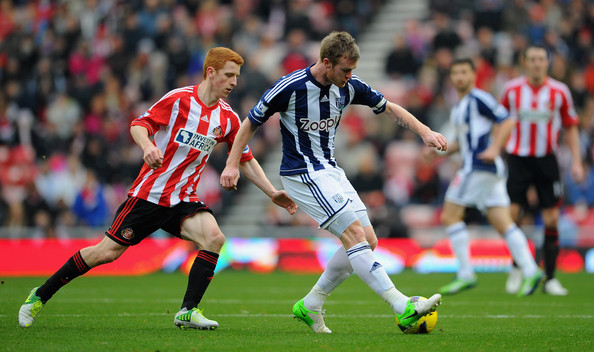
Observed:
{"x":536,"y":63}
{"x":225,"y":79}
{"x":340,"y":73}
{"x":463,"y":77}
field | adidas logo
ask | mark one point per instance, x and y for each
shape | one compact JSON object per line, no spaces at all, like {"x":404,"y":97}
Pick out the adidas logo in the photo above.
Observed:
{"x":204,"y":118}
{"x":324,"y":99}
{"x":375,"y":266}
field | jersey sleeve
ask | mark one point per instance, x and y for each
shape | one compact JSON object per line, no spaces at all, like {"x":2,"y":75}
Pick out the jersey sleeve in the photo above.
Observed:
{"x":157,"y":115}
{"x":363,"y":94}
{"x":275,"y":99}
{"x":489,"y":107}
{"x":569,"y":116}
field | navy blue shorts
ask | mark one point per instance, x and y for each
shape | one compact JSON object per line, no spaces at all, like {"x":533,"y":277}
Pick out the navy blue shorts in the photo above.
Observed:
{"x":137,"y":219}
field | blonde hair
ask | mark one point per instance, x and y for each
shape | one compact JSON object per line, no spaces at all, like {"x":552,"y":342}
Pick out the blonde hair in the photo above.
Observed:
{"x":338,"y":44}
{"x":217,"y":57}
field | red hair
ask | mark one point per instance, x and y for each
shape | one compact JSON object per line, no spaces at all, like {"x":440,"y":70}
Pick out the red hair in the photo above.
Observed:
{"x":217,"y":57}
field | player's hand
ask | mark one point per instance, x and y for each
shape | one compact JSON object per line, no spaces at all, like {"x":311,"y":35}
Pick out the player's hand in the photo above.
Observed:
{"x":435,"y":140}
{"x":153,"y":157}
{"x":577,"y":172}
{"x":489,"y":155}
{"x":229,"y":178}
{"x":281,"y":198}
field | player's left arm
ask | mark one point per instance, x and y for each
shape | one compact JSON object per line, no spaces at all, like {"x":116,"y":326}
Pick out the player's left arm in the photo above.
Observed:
{"x":405,"y":119}
{"x":252,"y":169}
{"x":572,"y":139}
{"x":570,"y":122}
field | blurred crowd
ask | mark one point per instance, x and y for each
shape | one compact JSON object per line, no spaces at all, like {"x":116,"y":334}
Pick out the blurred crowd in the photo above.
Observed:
{"x":73,"y":74}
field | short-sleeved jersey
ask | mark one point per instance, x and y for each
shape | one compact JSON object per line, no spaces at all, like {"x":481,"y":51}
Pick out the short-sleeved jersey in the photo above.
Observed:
{"x":473,"y":118}
{"x":309,"y":116}
{"x":186,"y":131}
{"x":540,"y":112}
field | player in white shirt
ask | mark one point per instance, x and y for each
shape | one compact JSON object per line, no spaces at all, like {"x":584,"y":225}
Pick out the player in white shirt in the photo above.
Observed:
{"x":481,"y":125}
{"x":310,"y":102}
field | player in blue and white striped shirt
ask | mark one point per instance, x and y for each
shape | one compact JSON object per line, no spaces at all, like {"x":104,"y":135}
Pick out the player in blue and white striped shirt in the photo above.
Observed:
{"x":311,"y":102}
{"x":482,"y":126}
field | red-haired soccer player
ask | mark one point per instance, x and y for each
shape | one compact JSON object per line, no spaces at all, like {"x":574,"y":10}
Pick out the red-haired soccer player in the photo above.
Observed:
{"x":186,"y":124}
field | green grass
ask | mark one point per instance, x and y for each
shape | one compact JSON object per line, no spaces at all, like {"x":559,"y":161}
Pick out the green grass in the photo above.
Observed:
{"x":254,"y":313}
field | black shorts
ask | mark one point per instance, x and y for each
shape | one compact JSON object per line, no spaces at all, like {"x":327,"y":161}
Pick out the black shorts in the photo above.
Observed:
{"x":541,"y":172}
{"x":137,"y":218}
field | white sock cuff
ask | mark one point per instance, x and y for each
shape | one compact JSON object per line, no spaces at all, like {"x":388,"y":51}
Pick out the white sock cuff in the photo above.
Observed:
{"x":358,"y":249}
{"x":456,"y":228}
{"x":513,"y":227}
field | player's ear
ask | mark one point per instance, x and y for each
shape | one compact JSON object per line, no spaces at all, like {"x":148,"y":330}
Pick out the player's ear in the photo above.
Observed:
{"x":210,"y":72}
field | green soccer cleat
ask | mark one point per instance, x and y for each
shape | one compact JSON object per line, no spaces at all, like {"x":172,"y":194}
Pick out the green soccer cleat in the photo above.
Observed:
{"x":529,"y":284}
{"x":313,"y":319}
{"x":193,"y":319}
{"x":417,"y":309}
{"x":457,"y":286}
{"x":30,"y":309}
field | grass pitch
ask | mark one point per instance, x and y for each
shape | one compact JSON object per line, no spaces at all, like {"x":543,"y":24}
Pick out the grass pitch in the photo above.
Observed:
{"x":254,"y":313}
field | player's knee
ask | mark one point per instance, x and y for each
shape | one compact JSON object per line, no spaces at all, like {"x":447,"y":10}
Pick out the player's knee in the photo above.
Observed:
{"x":218,"y":239}
{"x":107,"y":256}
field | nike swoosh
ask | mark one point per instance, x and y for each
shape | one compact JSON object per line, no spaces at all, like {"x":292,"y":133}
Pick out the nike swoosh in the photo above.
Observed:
{"x":303,"y":313}
{"x":412,"y":315}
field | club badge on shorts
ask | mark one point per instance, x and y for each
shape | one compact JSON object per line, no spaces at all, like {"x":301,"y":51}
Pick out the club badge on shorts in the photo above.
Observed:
{"x":127,"y":233}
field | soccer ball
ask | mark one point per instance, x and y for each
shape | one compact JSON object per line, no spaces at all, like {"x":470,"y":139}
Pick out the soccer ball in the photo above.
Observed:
{"x":424,"y":325}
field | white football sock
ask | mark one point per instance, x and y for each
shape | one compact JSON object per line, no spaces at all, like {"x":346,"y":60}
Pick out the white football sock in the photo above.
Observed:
{"x":518,"y":247}
{"x":375,"y":276}
{"x":337,"y":270}
{"x":460,"y":241}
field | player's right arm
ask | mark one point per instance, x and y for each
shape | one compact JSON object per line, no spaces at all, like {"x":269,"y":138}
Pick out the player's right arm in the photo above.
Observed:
{"x":152,"y":156}
{"x":230,"y":174}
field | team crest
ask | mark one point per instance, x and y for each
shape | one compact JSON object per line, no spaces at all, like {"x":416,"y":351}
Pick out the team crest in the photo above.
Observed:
{"x":340,"y":102}
{"x":338,"y":198}
{"x":127,"y":233}
{"x":217,"y":131}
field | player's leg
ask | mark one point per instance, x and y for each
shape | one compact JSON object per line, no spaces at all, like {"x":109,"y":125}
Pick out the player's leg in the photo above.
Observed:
{"x":500,"y":218}
{"x":339,"y":267}
{"x":550,"y":193}
{"x":452,"y":217}
{"x":520,"y":177}
{"x":128,"y":228}
{"x":82,"y":261}
{"x":552,"y":285}
{"x":374,"y":275}
{"x":202,"y":229}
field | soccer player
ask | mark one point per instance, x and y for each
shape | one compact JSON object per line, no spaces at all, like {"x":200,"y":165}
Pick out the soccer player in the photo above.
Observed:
{"x":482,"y":126}
{"x":541,"y":107}
{"x":311,"y":102}
{"x":187,"y":123}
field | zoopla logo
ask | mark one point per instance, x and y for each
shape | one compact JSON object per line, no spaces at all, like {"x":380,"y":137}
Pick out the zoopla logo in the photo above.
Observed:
{"x":322,"y":125}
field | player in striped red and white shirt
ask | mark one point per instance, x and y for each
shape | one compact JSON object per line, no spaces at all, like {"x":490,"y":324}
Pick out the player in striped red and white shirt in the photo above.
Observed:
{"x":187,"y":123}
{"x":542,"y":108}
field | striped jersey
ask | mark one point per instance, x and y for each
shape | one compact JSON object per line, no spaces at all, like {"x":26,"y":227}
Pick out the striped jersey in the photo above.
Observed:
{"x":309,"y":116}
{"x":473,"y":118}
{"x":186,"y":131}
{"x":540,"y":113}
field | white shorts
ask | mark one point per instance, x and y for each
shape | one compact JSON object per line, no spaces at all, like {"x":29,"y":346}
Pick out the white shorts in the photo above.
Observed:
{"x":328,"y":197}
{"x":481,"y":189}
